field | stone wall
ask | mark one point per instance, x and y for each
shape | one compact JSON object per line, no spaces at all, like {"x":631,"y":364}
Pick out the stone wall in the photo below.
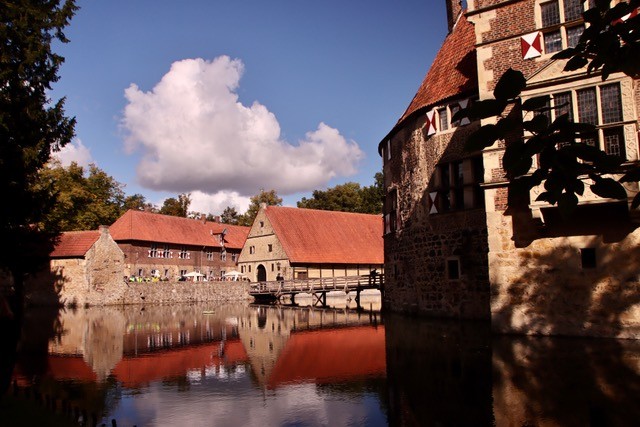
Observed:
{"x":95,"y":279}
{"x":183,"y":292}
{"x":417,"y":253}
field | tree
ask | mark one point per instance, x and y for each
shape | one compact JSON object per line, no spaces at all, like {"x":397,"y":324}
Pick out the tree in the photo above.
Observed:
{"x":348,"y":197}
{"x":177,"y":207}
{"x":84,"y":201}
{"x":270,"y":198}
{"x":608,"y":45}
{"x":137,"y":202}
{"x":230,"y":216}
{"x":31,"y":126}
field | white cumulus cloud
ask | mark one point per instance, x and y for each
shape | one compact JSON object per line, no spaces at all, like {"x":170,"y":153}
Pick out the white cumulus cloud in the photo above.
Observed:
{"x":216,"y":203}
{"x":195,"y":135}
{"x":75,"y":151}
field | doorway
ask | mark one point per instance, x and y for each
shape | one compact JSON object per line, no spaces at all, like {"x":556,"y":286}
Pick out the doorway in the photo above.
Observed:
{"x":262,"y":273}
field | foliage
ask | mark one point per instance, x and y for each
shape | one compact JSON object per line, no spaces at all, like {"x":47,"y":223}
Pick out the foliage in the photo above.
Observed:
{"x":84,"y":199}
{"x":348,"y":197}
{"x":137,"y":202}
{"x":230,"y":216}
{"x":31,"y":125}
{"x":608,"y":46}
{"x":270,"y":198}
{"x":177,"y":207}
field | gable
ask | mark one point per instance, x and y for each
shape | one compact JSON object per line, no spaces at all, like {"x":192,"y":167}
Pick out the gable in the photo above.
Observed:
{"x":74,"y":244}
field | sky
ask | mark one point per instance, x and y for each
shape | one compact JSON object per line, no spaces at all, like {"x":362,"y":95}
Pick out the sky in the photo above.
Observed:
{"x":221,"y":99}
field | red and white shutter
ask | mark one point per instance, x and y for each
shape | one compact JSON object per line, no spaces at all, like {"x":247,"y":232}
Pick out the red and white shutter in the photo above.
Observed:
{"x":632,"y":14}
{"x":433,"y":208}
{"x":531,"y":45}
{"x":431,"y":122}
{"x":463,"y":104}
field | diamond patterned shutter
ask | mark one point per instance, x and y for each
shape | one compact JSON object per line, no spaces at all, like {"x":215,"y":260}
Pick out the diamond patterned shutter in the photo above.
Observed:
{"x":531,"y":45}
{"x":431,"y":122}
{"x":463,"y":104}
{"x":433,"y":208}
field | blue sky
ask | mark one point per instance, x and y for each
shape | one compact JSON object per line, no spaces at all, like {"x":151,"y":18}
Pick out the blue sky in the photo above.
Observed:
{"x":222,"y":98}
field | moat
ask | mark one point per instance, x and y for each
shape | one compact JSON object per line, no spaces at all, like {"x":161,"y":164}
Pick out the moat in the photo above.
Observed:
{"x":265,"y":365}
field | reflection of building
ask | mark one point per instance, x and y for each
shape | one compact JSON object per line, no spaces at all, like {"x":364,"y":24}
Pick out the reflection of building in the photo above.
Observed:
{"x":169,"y":246}
{"x":547,"y":276}
{"x":85,"y":267}
{"x":292,"y":344}
{"x":308,"y":243}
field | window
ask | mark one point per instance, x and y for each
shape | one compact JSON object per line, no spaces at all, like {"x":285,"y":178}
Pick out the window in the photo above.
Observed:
{"x":390,"y":209}
{"x":183,"y":272}
{"x":453,"y":268}
{"x":560,"y":23}
{"x":443,"y":119}
{"x":209,"y":255}
{"x":270,"y":247}
{"x":153,"y":252}
{"x":242,"y":269}
{"x":600,"y":106}
{"x":261,"y":224}
{"x":166,"y":253}
{"x":252,"y":250}
{"x":457,"y":185}
{"x":166,"y":272}
{"x":249,"y":269}
{"x":273,"y":267}
{"x":234,"y":257}
{"x":222,"y":273}
{"x":588,"y":256}
{"x":184,"y":253}
{"x":223,"y":255}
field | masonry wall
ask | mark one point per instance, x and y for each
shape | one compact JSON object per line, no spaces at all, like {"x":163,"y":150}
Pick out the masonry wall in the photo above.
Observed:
{"x":139,"y":262}
{"x":95,"y":279}
{"x":416,"y":254}
{"x":540,"y":283}
{"x":184,"y":292}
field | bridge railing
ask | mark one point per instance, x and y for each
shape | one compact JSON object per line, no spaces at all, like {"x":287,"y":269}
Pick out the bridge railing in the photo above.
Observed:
{"x":324,"y":284}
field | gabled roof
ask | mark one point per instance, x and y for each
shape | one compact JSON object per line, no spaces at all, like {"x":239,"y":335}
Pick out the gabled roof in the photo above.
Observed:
{"x":72,"y":244}
{"x":453,"y":72}
{"x":150,"y":227}
{"x":315,"y":236}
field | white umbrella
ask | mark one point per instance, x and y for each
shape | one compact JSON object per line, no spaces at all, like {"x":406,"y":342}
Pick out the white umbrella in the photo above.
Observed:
{"x":234,"y":274}
{"x":194,"y":274}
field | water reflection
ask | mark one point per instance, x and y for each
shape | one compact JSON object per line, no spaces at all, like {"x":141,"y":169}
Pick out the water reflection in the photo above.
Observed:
{"x":239,"y":364}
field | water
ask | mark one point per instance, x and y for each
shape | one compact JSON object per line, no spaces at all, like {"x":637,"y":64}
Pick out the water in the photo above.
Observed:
{"x":245,"y":365}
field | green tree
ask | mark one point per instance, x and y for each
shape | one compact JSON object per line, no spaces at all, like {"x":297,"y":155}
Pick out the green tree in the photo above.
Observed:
{"x":348,"y":197}
{"x":137,"y":202}
{"x":177,"y":207}
{"x":270,"y":198}
{"x":84,"y":199}
{"x":230,"y":216}
{"x":31,"y":126}
{"x":608,"y":45}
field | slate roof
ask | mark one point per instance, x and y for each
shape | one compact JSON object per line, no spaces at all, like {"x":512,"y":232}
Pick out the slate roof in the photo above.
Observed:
{"x":453,"y":73}
{"x":73,"y":244}
{"x":150,"y":227}
{"x":328,"y":237}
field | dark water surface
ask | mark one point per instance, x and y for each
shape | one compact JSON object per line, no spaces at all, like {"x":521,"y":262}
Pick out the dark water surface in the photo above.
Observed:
{"x":248,"y":365}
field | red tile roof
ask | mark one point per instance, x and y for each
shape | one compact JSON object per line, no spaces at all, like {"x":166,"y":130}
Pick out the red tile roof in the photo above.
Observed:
{"x":315,"y":236}
{"x":453,"y":72}
{"x":313,"y":356}
{"x":150,"y":227}
{"x":72,"y":244}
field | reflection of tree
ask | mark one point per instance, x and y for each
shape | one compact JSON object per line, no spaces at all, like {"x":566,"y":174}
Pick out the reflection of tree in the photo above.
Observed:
{"x":567,"y":382}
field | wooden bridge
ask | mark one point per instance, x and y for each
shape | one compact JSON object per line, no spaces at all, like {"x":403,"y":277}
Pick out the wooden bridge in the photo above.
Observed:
{"x":317,"y":287}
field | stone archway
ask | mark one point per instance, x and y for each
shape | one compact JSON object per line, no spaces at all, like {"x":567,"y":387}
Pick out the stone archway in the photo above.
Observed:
{"x":262,"y":273}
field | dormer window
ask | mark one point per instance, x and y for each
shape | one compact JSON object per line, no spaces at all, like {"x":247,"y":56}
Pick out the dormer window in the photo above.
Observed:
{"x":560,"y":23}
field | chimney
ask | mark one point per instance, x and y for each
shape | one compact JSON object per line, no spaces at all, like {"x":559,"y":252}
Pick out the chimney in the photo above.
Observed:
{"x":454,"y":9}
